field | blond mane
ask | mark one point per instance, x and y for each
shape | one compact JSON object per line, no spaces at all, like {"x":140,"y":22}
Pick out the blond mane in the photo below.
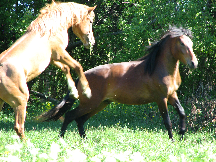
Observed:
{"x":58,"y":16}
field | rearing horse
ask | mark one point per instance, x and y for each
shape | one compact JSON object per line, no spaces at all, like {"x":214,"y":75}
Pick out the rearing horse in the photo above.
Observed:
{"x":44,"y":43}
{"x":154,"y":78}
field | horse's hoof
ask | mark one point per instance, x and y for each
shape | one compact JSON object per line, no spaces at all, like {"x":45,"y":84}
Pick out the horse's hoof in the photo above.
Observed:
{"x":87,"y":92}
{"x":181,"y":132}
{"x":182,"y":138}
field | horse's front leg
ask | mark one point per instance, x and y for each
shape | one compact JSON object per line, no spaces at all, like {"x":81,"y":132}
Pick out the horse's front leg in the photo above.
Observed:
{"x":63,"y":57}
{"x":66,"y":70}
{"x":162,"y":104}
{"x":173,"y":100}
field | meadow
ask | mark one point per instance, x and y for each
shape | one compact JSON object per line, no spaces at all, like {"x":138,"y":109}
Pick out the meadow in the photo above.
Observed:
{"x":118,"y":133}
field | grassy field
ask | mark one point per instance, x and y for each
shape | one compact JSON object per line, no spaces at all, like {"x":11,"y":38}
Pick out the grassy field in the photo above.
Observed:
{"x":118,"y":133}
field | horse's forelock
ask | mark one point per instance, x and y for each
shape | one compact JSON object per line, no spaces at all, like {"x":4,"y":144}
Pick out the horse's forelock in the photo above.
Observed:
{"x":176,"y":32}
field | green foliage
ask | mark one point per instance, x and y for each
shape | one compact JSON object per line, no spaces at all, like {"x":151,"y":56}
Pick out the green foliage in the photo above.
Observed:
{"x":122,"y":31}
{"x":119,"y":141}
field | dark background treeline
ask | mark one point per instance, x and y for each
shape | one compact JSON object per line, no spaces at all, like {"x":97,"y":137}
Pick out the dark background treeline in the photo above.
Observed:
{"x":122,"y":31}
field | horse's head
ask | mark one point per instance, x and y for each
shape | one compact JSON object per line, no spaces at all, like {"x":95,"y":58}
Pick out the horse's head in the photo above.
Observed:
{"x":184,"y":51}
{"x":83,"y":29}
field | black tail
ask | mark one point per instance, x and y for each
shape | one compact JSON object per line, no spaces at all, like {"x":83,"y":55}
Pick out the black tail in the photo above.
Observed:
{"x":59,"y":110}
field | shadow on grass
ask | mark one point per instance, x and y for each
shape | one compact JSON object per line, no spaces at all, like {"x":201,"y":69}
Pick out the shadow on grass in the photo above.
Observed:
{"x":115,"y":114}
{"x":31,"y":125}
{"x":131,"y":116}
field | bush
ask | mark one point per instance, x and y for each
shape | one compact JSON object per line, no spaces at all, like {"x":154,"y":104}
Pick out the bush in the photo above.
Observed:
{"x":122,"y":31}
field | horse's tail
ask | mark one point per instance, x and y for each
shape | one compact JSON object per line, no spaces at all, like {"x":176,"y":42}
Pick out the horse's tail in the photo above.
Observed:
{"x":59,"y":110}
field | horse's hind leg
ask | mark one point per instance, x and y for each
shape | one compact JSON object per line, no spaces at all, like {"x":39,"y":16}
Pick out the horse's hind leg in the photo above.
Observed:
{"x":173,"y":100}
{"x":80,"y":114}
{"x":69,"y":117}
{"x":20,"y":115}
{"x":62,"y":56}
{"x":17,"y":98}
{"x":18,"y":101}
{"x":81,"y":120}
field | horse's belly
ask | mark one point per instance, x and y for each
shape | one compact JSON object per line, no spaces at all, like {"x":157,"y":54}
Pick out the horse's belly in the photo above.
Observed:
{"x":133,"y":98}
{"x":36,"y":62}
{"x":133,"y":101}
{"x":35,"y":69}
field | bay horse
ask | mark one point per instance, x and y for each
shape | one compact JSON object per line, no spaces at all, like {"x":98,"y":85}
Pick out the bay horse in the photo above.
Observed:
{"x":153,"y":78}
{"x":43,"y":43}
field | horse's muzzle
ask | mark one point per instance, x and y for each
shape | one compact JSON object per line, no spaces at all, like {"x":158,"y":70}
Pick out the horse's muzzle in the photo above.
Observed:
{"x":90,"y":41}
{"x":193,"y":64}
{"x":89,"y":44}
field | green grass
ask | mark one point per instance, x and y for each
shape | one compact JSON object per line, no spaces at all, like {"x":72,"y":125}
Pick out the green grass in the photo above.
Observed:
{"x":118,"y":133}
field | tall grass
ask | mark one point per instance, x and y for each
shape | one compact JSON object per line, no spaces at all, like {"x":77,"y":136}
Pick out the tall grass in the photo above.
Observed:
{"x":118,"y":133}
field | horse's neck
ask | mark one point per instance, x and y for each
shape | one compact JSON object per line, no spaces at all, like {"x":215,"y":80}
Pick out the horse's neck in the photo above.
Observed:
{"x":170,"y":64}
{"x":168,"y":68}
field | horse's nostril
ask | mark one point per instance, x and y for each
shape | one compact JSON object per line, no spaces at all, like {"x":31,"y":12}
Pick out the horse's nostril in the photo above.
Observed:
{"x":193,"y":65}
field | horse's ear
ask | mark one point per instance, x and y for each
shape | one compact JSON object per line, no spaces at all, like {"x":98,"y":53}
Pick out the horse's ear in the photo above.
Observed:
{"x":91,"y":9}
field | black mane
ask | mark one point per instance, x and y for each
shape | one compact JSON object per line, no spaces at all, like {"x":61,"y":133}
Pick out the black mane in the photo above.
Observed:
{"x":155,"y":50}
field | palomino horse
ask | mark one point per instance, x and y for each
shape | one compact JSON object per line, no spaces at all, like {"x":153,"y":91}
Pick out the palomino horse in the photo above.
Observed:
{"x":43,"y":43}
{"x":154,"y":78}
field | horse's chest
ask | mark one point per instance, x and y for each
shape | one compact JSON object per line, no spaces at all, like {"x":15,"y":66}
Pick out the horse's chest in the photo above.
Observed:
{"x":173,"y":87}
{"x":169,"y":85}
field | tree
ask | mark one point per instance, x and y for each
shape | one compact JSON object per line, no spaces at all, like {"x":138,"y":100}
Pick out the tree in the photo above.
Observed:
{"x":122,"y":31}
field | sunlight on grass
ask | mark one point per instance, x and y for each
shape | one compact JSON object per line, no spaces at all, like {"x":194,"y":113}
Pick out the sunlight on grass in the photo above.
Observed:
{"x":107,"y":144}
{"x":14,"y":151}
{"x":130,"y":136}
